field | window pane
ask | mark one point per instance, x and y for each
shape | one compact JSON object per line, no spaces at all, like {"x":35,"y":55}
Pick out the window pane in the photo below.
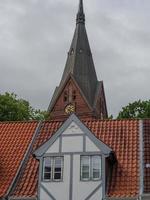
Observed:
{"x":96,"y":167}
{"x":58,"y":162}
{"x":58,"y":165}
{"x":85,"y":175}
{"x":47,"y":168}
{"x":57,"y":176}
{"x":85,"y":167}
{"x":47,"y":176}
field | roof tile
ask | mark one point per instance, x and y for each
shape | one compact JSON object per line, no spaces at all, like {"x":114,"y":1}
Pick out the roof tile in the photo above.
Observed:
{"x":15,"y":138}
{"x":122,"y":136}
{"x":146,"y":135}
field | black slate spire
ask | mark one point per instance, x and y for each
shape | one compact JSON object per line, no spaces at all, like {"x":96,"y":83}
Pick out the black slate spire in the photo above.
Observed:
{"x":80,"y":14}
{"x":80,"y":63}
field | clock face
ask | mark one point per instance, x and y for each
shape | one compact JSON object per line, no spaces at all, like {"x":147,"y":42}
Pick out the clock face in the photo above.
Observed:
{"x":70,"y":109}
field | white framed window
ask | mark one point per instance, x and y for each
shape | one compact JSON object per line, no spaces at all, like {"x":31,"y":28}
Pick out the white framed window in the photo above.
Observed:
{"x":85,"y":168}
{"x":58,"y":169}
{"x":47,"y":169}
{"x":90,"y":168}
{"x":96,"y":167}
{"x":53,"y":169}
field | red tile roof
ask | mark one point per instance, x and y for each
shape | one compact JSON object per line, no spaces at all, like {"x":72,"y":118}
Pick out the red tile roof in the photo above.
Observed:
{"x":27,"y":185}
{"x":121,"y":136}
{"x":14,"y":142}
{"x":146,"y":135}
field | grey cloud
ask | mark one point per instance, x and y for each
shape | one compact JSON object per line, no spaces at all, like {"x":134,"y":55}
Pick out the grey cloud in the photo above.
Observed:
{"x":35,"y":37}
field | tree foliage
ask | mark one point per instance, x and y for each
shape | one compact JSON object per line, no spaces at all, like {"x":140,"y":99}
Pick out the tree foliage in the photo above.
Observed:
{"x":14,"y":109}
{"x":136,"y":110}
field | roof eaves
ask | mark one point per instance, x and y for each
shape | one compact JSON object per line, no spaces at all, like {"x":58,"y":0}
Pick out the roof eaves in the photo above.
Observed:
{"x":122,"y":198}
{"x":22,"y":198}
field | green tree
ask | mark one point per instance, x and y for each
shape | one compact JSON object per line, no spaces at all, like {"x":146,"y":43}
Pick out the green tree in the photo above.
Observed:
{"x":136,"y":110}
{"x":14,"y":109}
{"x":40,"y":115}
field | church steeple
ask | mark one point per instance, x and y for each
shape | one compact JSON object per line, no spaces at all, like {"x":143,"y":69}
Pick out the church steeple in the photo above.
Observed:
{"x":81,"y":70}
{"x":80,"y":14}
{"x":80,"y":62}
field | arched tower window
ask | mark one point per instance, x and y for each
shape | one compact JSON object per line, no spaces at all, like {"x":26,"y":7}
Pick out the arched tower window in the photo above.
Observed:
{"x":65,"y":96}
{"x":74,"y":95}
{"x":70,"y":92}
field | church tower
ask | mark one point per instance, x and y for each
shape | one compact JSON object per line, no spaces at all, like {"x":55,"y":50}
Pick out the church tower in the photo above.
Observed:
{"x":79,"y":90}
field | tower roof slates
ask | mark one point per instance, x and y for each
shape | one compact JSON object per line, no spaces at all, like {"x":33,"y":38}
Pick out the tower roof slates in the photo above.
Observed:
{"x":80,"y":62}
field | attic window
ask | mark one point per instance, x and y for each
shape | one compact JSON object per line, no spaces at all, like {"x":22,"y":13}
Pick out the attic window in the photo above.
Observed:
{"x":53,"y":169}
{"x":47,"y":170}
{"x":90,"y":168}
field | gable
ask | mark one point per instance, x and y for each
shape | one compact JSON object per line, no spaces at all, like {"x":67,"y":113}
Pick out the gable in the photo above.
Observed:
{"x":73,"y":128}
{"x":54,"y":148}
{"x":73,"y":136}
{"x":72,"y":141}
{"x":69,"y":86}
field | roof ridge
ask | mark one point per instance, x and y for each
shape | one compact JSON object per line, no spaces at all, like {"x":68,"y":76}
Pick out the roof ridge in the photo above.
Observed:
{"x":14,"y":122}
{"x":84,"y":120}
{"x":109,"y":120}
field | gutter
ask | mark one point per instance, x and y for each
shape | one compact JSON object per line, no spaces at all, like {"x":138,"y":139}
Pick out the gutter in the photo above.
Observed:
{"x":23,"y":198}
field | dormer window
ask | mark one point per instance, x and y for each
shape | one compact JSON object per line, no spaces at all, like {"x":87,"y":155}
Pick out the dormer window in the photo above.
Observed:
{"x":96,"y":167}
{"x":53,"y":169}
{"x":47,"y":169}
{"x":90,"y":168}
{"x":74,"y":162}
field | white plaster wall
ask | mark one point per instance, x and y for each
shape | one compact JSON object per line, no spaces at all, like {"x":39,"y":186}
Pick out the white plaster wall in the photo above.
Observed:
{"x":60,"y":190}
{"x":82,"y":189}
{"x":90,"y":146}
{"x":72,"y":144}
{"x":54,"y":147}
{"x":44,"y":195}
{"x":73,"y":128}
{"x":97,"y":195}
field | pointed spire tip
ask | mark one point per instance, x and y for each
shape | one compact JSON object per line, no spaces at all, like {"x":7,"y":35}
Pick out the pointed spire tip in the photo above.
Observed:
{"x":80,"y":14}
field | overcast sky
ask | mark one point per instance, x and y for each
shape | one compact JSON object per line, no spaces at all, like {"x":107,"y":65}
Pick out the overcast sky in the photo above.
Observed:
{"x":35,"y":36}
